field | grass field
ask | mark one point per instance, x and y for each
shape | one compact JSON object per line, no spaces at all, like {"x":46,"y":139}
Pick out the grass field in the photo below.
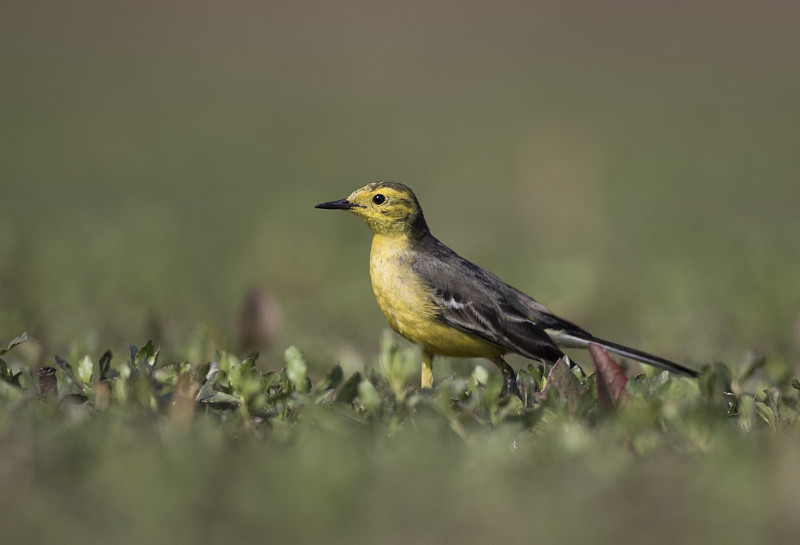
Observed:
{"x":634,"y":167}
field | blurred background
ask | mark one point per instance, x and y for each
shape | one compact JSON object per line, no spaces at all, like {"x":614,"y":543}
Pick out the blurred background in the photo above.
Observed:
{"x":633,"y":166}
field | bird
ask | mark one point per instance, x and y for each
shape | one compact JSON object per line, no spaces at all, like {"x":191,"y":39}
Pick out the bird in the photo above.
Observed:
{"x":451,"y":307}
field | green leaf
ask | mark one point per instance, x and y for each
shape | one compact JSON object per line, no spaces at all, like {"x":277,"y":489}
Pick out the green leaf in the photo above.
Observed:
{"x":479,"y":377}
{"x":147,"y":350}
{"x":215,"y":397}
{"x":747,"y":412}
{"x":119,"y":386}
{"x":715,"y":381}
{"x":208,"y":394}
{"x":766,"y":414}
{"x":562,"y":379}
{"x":105,"y":364}
{"x":85,"y":369}
{"x":7,"y":375}
{"x":537,"y":372}
{"x":369,"y":396}
{"x":491,"y":392}
{"x":296,"y":369}
{"x":333,"y":379}
{"x":245,"y":379}
{"x":67,"y":368}
{"x":270,"y":380}
{"x":397,"y":365}
{"x":733,"y":403}
{"x":587,"y":400}
{"x":348,"y":391}
{"x":207,"y":389}
{"x":146,"y":357}
{"x":19,"y":340}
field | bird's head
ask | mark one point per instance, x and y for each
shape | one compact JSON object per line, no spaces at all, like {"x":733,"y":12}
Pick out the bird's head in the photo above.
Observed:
{"x":388,"y":208}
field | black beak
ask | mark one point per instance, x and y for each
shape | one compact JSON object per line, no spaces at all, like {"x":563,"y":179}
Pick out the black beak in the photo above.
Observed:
{"x":341,"y":204}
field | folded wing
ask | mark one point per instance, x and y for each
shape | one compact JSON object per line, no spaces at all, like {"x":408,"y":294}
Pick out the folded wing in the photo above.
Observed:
{"x":474,"y":301}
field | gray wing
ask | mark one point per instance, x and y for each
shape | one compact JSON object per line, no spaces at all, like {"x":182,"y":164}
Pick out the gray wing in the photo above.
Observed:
{"x":475,"y":301}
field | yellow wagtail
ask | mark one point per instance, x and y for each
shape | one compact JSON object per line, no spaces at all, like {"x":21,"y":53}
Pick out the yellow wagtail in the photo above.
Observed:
{"x":451,"y":307}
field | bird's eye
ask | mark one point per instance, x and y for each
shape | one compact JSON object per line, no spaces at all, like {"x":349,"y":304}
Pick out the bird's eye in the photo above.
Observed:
{"x":379,"y":199}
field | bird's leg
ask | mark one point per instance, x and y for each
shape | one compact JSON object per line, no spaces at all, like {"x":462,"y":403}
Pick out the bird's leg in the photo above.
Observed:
{"x":509,"y":376}
{"x":427,"y":369}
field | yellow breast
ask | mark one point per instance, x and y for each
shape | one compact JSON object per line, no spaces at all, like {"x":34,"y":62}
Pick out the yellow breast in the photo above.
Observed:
{"x":404,"y":298}
{"x":400,"y":292}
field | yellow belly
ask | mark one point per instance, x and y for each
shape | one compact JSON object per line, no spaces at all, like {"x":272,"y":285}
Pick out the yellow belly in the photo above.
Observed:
{"x":405,"y":301}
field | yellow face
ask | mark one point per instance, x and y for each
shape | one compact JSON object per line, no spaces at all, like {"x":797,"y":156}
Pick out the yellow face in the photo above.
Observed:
{"x":386,"y":207}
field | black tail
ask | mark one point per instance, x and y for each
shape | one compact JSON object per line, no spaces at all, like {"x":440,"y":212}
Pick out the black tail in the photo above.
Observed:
{"x":575,"y":341}
{"x":649,"y":359}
